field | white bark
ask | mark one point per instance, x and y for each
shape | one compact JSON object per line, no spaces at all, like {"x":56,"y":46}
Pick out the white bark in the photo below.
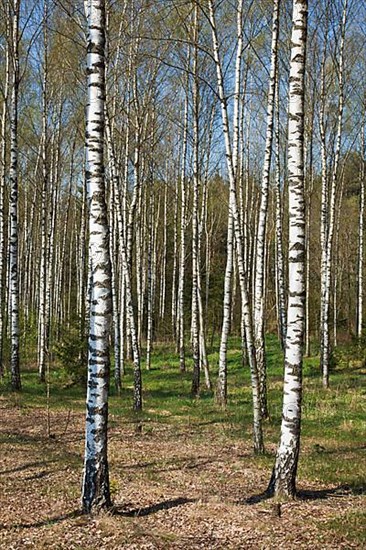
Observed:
{"x":195,"y":252}
{"x":95,"y":489}
{"x":259,"y":277}
{"x":257,"y":425}
{"x":280,"y":268}
{"x":2,"y":191}
{"x":284,"y":472}
{"x":183,"y":224}
{"x":114,"y":262}
{"x":175,"y":261}
{"x":328,"y":217}
{"x":150,"y":269}
{"x":360,"y":290}
{"x":126,"y":290}
{"x":221,"y":393}
{"x":13,"y":206}
{"x":164,"y":258}
{"x":42,"y":323}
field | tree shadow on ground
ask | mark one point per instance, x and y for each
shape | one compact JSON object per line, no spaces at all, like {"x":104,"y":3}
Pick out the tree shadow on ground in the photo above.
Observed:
{"x":43,"y":522}
{"x":114,"y":511}
{"x":26,"y":466}
{"x":148,"y":510}
{"x":340,"y":491}
{"x":175,"y":464}
{"x":321,"y":494}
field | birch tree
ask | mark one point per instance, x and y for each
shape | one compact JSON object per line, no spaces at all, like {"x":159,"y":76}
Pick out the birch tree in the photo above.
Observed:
{"x":2,"y":191}
{"x":42,"y":320}
{"x":183,"y":224}
{"x":259,"y":290}
{"x":221,"y":393}
{"x":195,"y":259}
{"x":95,"y":488}
{"x":13,"y":206}
{"x":328,"y":208}
{"x":361,"y":223}
{"x":280,"y":268}
{"x":283,"y":478}
{"x":233,"y":206}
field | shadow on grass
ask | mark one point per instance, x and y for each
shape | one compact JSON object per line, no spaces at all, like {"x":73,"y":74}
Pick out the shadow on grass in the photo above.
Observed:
{"x":26,"y":467}
{"x":321,"y":494}
{"x":175,"y":464}
{"x":44,"y":522}
{"x":114,"y":511}
{"x":141,"y":512}
{"x":49,"y":446}
{"x":340,"y":491}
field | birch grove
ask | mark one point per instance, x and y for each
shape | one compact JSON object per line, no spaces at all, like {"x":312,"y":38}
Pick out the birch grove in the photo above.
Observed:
{"x":213,"y":208}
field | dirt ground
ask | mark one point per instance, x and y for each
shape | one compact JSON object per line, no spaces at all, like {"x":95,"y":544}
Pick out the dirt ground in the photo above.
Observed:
{"x":174,"y":487}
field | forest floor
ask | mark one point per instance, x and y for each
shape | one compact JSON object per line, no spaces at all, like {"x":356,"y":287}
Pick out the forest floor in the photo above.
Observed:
{"x":183,"y":475}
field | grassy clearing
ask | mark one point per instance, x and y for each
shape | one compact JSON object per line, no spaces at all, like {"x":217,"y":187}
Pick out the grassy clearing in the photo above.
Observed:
{"x":190,"y":448}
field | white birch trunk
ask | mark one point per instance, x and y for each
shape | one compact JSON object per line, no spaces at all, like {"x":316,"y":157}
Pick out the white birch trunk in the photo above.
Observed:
{"x":195,"y":253}
{"x":113,"y":253}
{"x":95,"y":489}
{"x":280,"y":268}
{"x":164,"y":258}
{"x":327,"y":238}
{"x":175,"y":262}
{"x":150,"y":289}
{"x":335,"y":267}
{"x":259,"y":276}
{"x":42,"y":324}
{"x":183,"y":224}
{"x":114,"y":287}
{"x":360,"y":291}
{"x":247,"y":318}
{"x":130,"y":314}
{"x":126,"y":284}
{"x":3,"y":154}
{"x":13,"y":206}
{"x":221,"y":392}
{"x":284,"y":473}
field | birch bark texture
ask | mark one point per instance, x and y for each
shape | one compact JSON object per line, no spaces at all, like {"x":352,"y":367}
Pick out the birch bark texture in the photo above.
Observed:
{"x":95,"y":489}
{"x":221,"y":394}
{"x":283,"y":479}
{"x":260,"y":291}
{"x":13,"y":206}
{"x":328,"y":209}
{"x":361,"y":224}
{"x":3,"y":157}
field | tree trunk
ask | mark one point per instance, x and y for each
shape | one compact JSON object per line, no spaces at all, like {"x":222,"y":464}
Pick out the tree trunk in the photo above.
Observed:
{"x":233,"y":205}
{"x":283,"y":479}
{"x":280,"y":268}
{"x":195,"y":253}
{"x":259,"y":278}
{"x":328,"y":218}
{"x":95,"y":488}
{"x":361,"y":237}
{"x":2,"y":191}
{"x":13,"y":207}
{"x":42,"y":323}
{"x":221,"y":392}
{"x":183,"y":224}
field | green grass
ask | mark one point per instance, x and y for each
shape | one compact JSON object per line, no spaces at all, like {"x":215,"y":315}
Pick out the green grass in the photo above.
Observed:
{"x":333,"y":428}
{"x":351,"y":526}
